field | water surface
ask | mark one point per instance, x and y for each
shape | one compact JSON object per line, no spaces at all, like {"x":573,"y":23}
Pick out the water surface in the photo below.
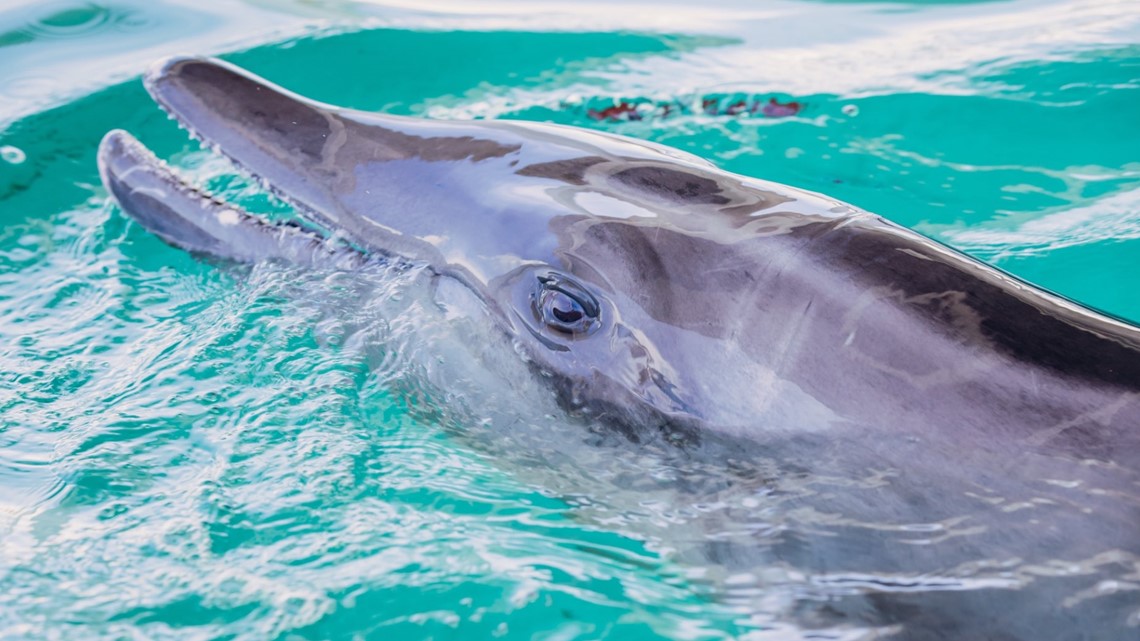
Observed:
{"x":196,"y":450}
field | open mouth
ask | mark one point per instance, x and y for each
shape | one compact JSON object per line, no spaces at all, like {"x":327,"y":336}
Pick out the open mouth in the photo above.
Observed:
{"x":219,"y":106}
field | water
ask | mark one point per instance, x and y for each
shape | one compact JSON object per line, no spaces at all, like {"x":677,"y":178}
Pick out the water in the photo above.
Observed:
{"x":191,"y":450}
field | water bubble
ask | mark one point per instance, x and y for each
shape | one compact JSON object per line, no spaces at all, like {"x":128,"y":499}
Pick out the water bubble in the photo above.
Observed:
{"x":851,"y":110}
{"x":13,"y":155}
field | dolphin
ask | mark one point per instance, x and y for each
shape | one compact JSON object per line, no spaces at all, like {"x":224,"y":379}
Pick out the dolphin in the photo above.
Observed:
{"x":667,"y":301}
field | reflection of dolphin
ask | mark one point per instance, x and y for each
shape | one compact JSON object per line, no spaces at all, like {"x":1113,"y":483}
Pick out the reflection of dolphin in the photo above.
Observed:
{"x":664,"y":297}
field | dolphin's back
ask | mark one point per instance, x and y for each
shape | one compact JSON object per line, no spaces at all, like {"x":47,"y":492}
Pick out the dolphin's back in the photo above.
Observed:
{"x":1006,"y":356}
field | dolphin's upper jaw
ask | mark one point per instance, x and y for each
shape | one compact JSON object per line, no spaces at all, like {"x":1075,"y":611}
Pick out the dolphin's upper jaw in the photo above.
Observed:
{"x":205,"y":97}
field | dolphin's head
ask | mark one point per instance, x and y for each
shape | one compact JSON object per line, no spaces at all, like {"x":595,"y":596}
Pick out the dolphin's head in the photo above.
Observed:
{"x":640,"y":281}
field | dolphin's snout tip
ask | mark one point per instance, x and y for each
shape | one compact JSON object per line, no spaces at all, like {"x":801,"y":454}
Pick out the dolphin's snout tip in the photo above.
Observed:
{"x":158,"y":77}
{"x":168,"y":66}
{"x":176,"y":80}
{"x":113,"y":140}
{"x":116,"y":147}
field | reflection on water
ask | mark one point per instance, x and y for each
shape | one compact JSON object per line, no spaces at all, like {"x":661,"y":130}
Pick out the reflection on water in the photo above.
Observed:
{"x":197,"y":450}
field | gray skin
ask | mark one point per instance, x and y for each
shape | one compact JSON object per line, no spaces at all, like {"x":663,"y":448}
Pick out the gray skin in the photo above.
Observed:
{"x":671,"y":302}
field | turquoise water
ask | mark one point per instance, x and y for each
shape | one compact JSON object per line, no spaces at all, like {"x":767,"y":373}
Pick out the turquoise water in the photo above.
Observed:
{"x":193,"y":450}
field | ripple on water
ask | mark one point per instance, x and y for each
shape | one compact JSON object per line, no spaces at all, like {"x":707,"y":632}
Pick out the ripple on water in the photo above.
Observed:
{"x":55,"y":20}
{"x":74,"y":21}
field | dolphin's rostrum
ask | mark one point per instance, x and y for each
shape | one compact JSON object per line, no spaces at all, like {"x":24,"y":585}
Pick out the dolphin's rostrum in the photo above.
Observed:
{"x":664,"y":297}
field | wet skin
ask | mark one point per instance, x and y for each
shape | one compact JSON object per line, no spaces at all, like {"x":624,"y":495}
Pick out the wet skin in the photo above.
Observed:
{"x":666,"y":299}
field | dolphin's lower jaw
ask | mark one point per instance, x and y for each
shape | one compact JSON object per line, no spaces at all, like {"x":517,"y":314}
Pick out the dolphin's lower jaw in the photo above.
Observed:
{"x":170,"y":207}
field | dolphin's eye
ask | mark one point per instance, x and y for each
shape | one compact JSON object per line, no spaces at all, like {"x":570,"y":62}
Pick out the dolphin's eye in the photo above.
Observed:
{"x":565,"y":306}
{"x":565,"y":309}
